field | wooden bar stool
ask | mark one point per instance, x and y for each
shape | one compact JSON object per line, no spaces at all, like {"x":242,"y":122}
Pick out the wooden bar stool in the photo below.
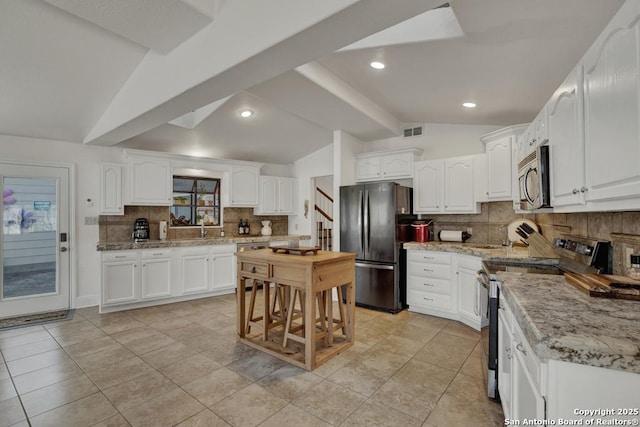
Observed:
{"x":290,"y":330}
{"x":274,"y":312}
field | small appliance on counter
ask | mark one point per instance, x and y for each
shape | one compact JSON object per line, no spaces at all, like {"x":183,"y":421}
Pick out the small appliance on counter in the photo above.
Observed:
{"x":140,"y":230}
{"x":421,"y":230}
{"x":453,"y":236}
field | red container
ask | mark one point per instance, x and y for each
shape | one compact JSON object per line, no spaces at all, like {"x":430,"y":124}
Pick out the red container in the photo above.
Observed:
{"x":420,"y":231}
{"x":404,"y":233}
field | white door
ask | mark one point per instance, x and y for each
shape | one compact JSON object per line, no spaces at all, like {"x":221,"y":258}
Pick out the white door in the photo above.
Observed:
{"x":35,"y":239}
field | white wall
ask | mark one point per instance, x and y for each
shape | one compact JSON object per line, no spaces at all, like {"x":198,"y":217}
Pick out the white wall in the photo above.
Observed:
{"x":318,"y":163}
{"x":439,"y":141}
{"x":86,"y":277}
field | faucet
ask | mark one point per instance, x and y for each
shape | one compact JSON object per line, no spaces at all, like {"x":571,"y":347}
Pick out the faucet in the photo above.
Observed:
{"x":203,"y":232}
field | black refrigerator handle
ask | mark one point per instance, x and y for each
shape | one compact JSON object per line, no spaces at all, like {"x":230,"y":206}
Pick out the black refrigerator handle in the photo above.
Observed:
{"x":367,"y":231}
{"x":361,"y":220}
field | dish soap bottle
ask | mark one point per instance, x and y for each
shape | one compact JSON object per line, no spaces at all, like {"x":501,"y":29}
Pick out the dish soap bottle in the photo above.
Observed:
{"x":634,"y":268}
{"x":247,"y":230}
{"x":241,"y":228}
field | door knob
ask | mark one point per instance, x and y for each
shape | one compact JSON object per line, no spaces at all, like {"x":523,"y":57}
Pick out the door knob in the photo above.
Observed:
{"x":63,"y":249}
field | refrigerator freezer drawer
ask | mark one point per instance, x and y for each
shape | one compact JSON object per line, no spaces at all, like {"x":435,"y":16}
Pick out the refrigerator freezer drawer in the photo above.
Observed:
{"x":376,"y":286}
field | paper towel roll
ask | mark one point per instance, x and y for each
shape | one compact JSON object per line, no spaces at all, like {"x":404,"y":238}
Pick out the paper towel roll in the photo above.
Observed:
{"x":453,"y":236}
{"x":163,"y":230}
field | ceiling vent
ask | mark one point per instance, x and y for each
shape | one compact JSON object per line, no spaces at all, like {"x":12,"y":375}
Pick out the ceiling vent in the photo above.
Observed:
{"x":413,"y":131}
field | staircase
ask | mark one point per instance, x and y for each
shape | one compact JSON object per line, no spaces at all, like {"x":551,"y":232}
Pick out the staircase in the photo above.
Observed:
{"x":324,"y":221}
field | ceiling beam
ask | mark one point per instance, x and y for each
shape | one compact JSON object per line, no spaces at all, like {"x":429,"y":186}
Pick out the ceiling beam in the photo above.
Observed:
{"x":337,"y":87}
{"x":250,"y":42}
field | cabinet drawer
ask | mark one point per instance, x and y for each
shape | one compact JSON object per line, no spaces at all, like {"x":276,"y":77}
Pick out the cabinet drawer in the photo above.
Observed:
{"x":120,"y":256}
{"x":156,"y":253}
{"x":425,"y":269}
{"x":429,"y":257}
{"x":255,"y":268}
{"x":429,"y":284}
{"x":428,"y":300}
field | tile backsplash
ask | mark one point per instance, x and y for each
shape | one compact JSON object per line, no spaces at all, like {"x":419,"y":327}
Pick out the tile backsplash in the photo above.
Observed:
{"x":119,"y":228}
{"x":490,"y":226}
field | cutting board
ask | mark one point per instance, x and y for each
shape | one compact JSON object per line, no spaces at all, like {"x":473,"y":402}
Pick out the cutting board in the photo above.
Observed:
{"x":596,"y":285}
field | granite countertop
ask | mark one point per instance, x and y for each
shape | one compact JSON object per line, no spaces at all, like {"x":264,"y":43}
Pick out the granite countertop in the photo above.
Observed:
{"x":485,"y":251}
{"x":195,"y":241}
{"x":562,"y":323}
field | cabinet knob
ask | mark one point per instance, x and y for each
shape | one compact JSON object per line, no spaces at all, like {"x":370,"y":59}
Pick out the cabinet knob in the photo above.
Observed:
{"x":575,"y":191}
{"x":583,"y":190}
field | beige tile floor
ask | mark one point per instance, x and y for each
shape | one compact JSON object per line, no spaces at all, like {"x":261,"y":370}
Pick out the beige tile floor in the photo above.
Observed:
{"x":180,"y":364}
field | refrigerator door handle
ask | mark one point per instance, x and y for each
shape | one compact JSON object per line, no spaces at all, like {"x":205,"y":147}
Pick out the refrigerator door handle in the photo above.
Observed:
{"x":375,"y":266}
{"x":366,"y":230}
{"x":360,"y":221}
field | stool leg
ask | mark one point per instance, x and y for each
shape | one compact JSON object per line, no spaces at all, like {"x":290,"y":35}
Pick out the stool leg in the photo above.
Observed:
{"x":266,"y":286}
{"x":287,"y":326}
{"x":328,"y":298}
{"x":341,"y":309}
{"x":252,"y":303}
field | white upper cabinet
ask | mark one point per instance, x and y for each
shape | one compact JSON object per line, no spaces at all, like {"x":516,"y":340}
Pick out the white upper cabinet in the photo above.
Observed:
{"x":111,"y":189}
{"x":150,"y":181}
{"x":428,"y":185}
{"x":244,"y":186}
{"x":276,"y":196}
{"x":612,"y":111}
{"x":392,"y":164}
{"x":501,"y":174}
{"x":566,"y":142}
{"x":458,"y":185}
{"x":444,"y":186}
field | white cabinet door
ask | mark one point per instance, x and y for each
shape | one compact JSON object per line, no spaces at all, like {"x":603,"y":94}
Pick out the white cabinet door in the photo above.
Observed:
{"x":276,"y":196}
{"x":244,"y":186}
{"x":111,"y":189}
{"x":505,"y":355}
{"x":156,"y":278}
{"x":120,"y":282}
{"x":368,"y":168}
{"x":527,"y":402}
{"x":195,"y":272}
{"x":428,"y":185}
{"x":612,"y":110}
{"x":150,"y":182}
{"x":268,"y":194}
{"x":469,"y":302}
{"x":499,"y":169}
{"x":458,"y":185}
{"x":286,"y":194}
{"x":566,"y":142}
{"x":396,"y":165}
{"x":223,"y":266}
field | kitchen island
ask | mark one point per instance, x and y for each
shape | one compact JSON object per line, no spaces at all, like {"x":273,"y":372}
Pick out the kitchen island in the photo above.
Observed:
{"x":312,"y":274}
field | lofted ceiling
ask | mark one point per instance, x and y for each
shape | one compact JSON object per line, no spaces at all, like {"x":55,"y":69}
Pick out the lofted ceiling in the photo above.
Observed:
{"x":172,"y":75}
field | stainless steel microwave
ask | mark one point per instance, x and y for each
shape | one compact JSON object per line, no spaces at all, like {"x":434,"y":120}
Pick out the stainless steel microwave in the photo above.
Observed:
{"x":533,"y":179}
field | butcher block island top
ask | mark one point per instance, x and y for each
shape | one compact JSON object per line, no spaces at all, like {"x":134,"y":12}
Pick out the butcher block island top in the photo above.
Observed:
{"x":294,"y":316}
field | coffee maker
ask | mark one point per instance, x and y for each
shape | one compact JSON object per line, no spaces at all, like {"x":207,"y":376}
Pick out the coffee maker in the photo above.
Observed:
{"x":141,"y":230}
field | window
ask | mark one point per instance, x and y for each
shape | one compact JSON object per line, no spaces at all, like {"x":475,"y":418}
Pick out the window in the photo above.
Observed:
{"x":195,"y":201}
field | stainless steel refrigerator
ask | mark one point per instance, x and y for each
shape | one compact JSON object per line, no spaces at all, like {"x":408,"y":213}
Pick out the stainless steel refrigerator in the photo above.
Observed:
{"x":369,"y":215}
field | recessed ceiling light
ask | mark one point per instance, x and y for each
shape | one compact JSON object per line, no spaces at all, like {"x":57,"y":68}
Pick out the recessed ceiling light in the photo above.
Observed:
{"x":469,"y":104}
{"x":246,"y":113}
{"x":377,"y":65}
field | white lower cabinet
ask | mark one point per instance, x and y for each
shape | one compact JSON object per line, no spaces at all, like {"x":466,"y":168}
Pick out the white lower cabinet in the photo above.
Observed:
{"x":471,"y":297}
{"x":520,"y":372}
{"x":137,"y":278}
{"x":535,"y":389}
{"x":120,"y":278}
{"x":194,"y":270}
{"x":444,"y":284}
{"x":156,"y":274}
